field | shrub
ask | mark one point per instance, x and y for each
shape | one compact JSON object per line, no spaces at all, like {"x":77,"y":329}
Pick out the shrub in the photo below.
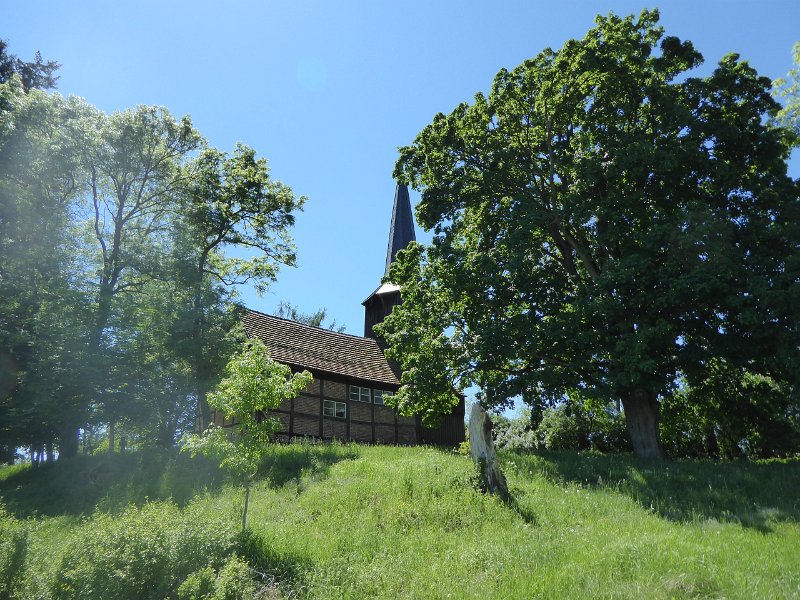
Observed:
{"x":233,"y":582}
{"x":198,"y":585}
{"x":558,"y":430}
{"x":731,"y":414}
{"x":143,"y":553}
{"x":514,"y":434}
{"x":574,"y":424}
{"x":13,"y":552}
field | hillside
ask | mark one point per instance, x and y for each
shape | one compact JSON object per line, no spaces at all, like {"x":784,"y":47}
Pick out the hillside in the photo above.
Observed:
{"x":352,"y":521}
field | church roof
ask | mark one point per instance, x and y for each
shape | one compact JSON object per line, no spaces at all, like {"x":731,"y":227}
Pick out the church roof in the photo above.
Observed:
{"x":401,"y":231}
{"x":320,"y":350}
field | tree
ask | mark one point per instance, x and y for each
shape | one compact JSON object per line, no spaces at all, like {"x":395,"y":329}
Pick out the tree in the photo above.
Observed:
{"x":135,"y":177}
{"x":604,"y":223}
{"x":117,"y":300}
{"x":228,"y":202}
{"x":37,"y":74}
{"x":253,"y":384}
{"x":43,"y":308}
{"x":286,"y":310}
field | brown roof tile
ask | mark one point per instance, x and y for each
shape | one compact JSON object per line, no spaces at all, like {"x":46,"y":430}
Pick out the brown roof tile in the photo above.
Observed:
{"x":319,"y":349}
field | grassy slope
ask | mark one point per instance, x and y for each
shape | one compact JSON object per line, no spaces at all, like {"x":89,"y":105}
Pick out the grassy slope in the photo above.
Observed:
{"x":354,"y":521}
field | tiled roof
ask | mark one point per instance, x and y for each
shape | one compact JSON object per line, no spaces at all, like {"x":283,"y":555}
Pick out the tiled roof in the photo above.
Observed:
{"x":319,"y":349}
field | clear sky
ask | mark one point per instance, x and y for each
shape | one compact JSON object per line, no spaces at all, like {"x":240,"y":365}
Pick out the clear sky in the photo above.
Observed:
{"x":327,"y":91}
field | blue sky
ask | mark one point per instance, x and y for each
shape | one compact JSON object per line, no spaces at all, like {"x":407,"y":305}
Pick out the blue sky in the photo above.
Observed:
{"x":327,"y":91}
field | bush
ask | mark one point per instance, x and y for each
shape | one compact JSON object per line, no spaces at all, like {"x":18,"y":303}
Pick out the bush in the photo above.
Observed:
{"x":514,"y":434}
{"x":144,"y":552}
{"x":558,"y":430}
{"x":13,"y":552}
{"x":571,"y":425}
{"x":198,"y":585}
{"x":233,"y":582}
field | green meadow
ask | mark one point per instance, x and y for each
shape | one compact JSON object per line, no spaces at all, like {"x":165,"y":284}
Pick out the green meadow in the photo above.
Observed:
{"x":351,"y":521}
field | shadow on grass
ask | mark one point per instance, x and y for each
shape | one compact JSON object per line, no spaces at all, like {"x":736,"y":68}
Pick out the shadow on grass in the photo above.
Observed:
{"x":287,"y":570}
{"x":754,"y":495}
{"x":290,"y":462}
{"x":80,"y":485}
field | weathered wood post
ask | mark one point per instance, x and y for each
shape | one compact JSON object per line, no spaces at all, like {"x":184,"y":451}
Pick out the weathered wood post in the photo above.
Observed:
{"x":481,"y":446}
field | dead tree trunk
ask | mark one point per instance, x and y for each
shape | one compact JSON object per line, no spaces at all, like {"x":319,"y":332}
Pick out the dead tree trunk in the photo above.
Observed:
{"x":481,"y":446}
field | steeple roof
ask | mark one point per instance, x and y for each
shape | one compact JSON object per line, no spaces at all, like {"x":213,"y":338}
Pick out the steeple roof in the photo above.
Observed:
{"x":401,"y":231}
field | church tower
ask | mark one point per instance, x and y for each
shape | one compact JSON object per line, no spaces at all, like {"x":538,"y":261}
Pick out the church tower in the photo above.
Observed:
{"x":401,"y":232}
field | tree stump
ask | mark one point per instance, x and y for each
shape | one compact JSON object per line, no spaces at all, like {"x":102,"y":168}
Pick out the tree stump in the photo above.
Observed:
{"x":481,"y":446}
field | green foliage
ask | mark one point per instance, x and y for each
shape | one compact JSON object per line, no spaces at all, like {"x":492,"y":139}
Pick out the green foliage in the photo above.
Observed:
{"x":602,"y":222}
{"x":571,"y":425}
{"x":732,"y":413}
{"x":233,"y":582}
{"x":32,"y":74}
{"x":198,"y":585}
{"x":788,"y":89}
{"x":253,"y":384}
{"x":142,"y":553}
{"x":228,"y":201}
{"x":316,"y":319}
{"x":514,"y":433}
{"x":116,"y":296}
{"x":13,"y":553}
{"x":86,"y":484}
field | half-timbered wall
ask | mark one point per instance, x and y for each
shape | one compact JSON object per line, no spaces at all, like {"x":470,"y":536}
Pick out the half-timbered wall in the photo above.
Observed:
{"x":363,"y":421}
{"x":368,"y":422}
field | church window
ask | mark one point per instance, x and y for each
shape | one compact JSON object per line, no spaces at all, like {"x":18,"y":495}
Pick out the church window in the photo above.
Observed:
{"x":381,"y":395}
{"x":334,"y":409}
{"x":359,"y":394}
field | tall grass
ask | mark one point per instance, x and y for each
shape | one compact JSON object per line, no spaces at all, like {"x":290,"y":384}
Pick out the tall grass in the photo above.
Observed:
{"x":349,"y":521}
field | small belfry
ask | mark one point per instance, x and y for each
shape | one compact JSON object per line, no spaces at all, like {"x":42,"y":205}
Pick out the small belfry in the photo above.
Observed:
{"x":401,"y":233}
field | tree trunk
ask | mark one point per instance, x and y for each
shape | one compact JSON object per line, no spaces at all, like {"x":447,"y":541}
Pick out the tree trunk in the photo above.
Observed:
{"x":111,"y":440}
{"x":51,"y":455}
{"x":200,"y":370}
{"x":68,"y":442}
{"x":641,"y":416}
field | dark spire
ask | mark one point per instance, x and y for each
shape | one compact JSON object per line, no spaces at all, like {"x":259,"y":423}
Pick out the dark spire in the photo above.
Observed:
{"x":402,"y":229}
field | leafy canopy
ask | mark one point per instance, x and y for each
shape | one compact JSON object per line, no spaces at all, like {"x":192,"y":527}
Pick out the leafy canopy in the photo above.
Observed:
{"x":603,"y":222}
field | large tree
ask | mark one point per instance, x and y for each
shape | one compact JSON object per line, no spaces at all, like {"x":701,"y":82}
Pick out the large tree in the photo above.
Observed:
{"x":604,"y":223}
{"x":230,"y":203}
{"x":43,"y":313}
{"x":135,"y":176}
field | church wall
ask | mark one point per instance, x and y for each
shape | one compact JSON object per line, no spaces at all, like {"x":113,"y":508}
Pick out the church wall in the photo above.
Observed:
{"x":364,"y":421}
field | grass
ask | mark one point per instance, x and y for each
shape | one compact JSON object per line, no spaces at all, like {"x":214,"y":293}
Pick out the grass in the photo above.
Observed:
{"x":349,"y":521}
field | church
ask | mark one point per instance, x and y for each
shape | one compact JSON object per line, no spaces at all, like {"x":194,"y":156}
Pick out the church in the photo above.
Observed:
{"x":346,"y":400}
